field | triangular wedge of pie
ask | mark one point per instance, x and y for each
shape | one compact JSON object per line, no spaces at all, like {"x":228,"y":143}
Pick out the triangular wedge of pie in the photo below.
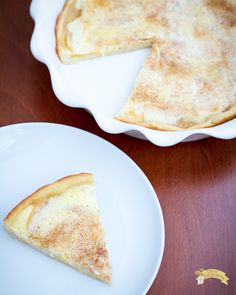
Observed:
{"x":62,"y":220}
{"x":189,"y":79}
{"x":89,"y":28}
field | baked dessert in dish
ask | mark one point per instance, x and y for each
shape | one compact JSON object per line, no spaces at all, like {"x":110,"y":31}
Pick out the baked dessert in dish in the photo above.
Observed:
{"x":89,"y":28}
{"x":62,"y":220}
{"x":188,"y":81}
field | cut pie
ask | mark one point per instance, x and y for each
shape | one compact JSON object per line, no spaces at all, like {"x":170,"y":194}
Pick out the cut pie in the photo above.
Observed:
{"x":62,"y":220}
{"x":89,"y":28}
{"x":189,"y":79}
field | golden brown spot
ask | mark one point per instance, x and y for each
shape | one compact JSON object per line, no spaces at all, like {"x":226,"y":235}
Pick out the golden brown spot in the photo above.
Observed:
{"x":173,"y":68}
{"x":164,"y":22}
{"x":215,"y":109}
{"x":143,"y":96}
{"x":198,"y":33}
{"x":151,"y":18}
{"x":220,"y":4}
{"x":77,"y":13}
{"x":181,"y":123}
{"x":99,"y":3}
{"x":171,"y":65}
{"x":167,"y":62}
{"x":155,"y":18}
{"x":225,"y":10}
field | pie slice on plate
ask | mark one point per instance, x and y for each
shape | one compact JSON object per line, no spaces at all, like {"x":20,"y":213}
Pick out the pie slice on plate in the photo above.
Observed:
{"x":89,"y":28}
{"x":62,"y":220}
{"x":189,"y":79}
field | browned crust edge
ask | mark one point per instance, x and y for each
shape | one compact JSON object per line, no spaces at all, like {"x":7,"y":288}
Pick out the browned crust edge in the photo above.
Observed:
{"x":212,"y":121}
{"x":48,"y":191}
{"x":70,"y":58}
{"x":59,"y":186}
{"x":60,"y":23}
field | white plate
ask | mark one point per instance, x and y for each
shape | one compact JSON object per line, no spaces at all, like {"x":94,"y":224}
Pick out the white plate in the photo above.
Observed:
{"x":35,"y":154}
{"x":102,"y":85}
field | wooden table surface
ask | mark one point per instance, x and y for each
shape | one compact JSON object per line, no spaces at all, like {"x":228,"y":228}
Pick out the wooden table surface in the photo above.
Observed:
{"x":195,"y":182}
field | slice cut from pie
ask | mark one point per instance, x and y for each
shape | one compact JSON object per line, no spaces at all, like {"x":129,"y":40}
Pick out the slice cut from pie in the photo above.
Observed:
{"x":62,"y":220}
{"x":89,"y":28}
{"x":189,"y":79}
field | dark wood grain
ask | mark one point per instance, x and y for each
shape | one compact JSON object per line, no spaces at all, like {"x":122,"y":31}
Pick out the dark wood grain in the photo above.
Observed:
{"x":195,"y":182}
